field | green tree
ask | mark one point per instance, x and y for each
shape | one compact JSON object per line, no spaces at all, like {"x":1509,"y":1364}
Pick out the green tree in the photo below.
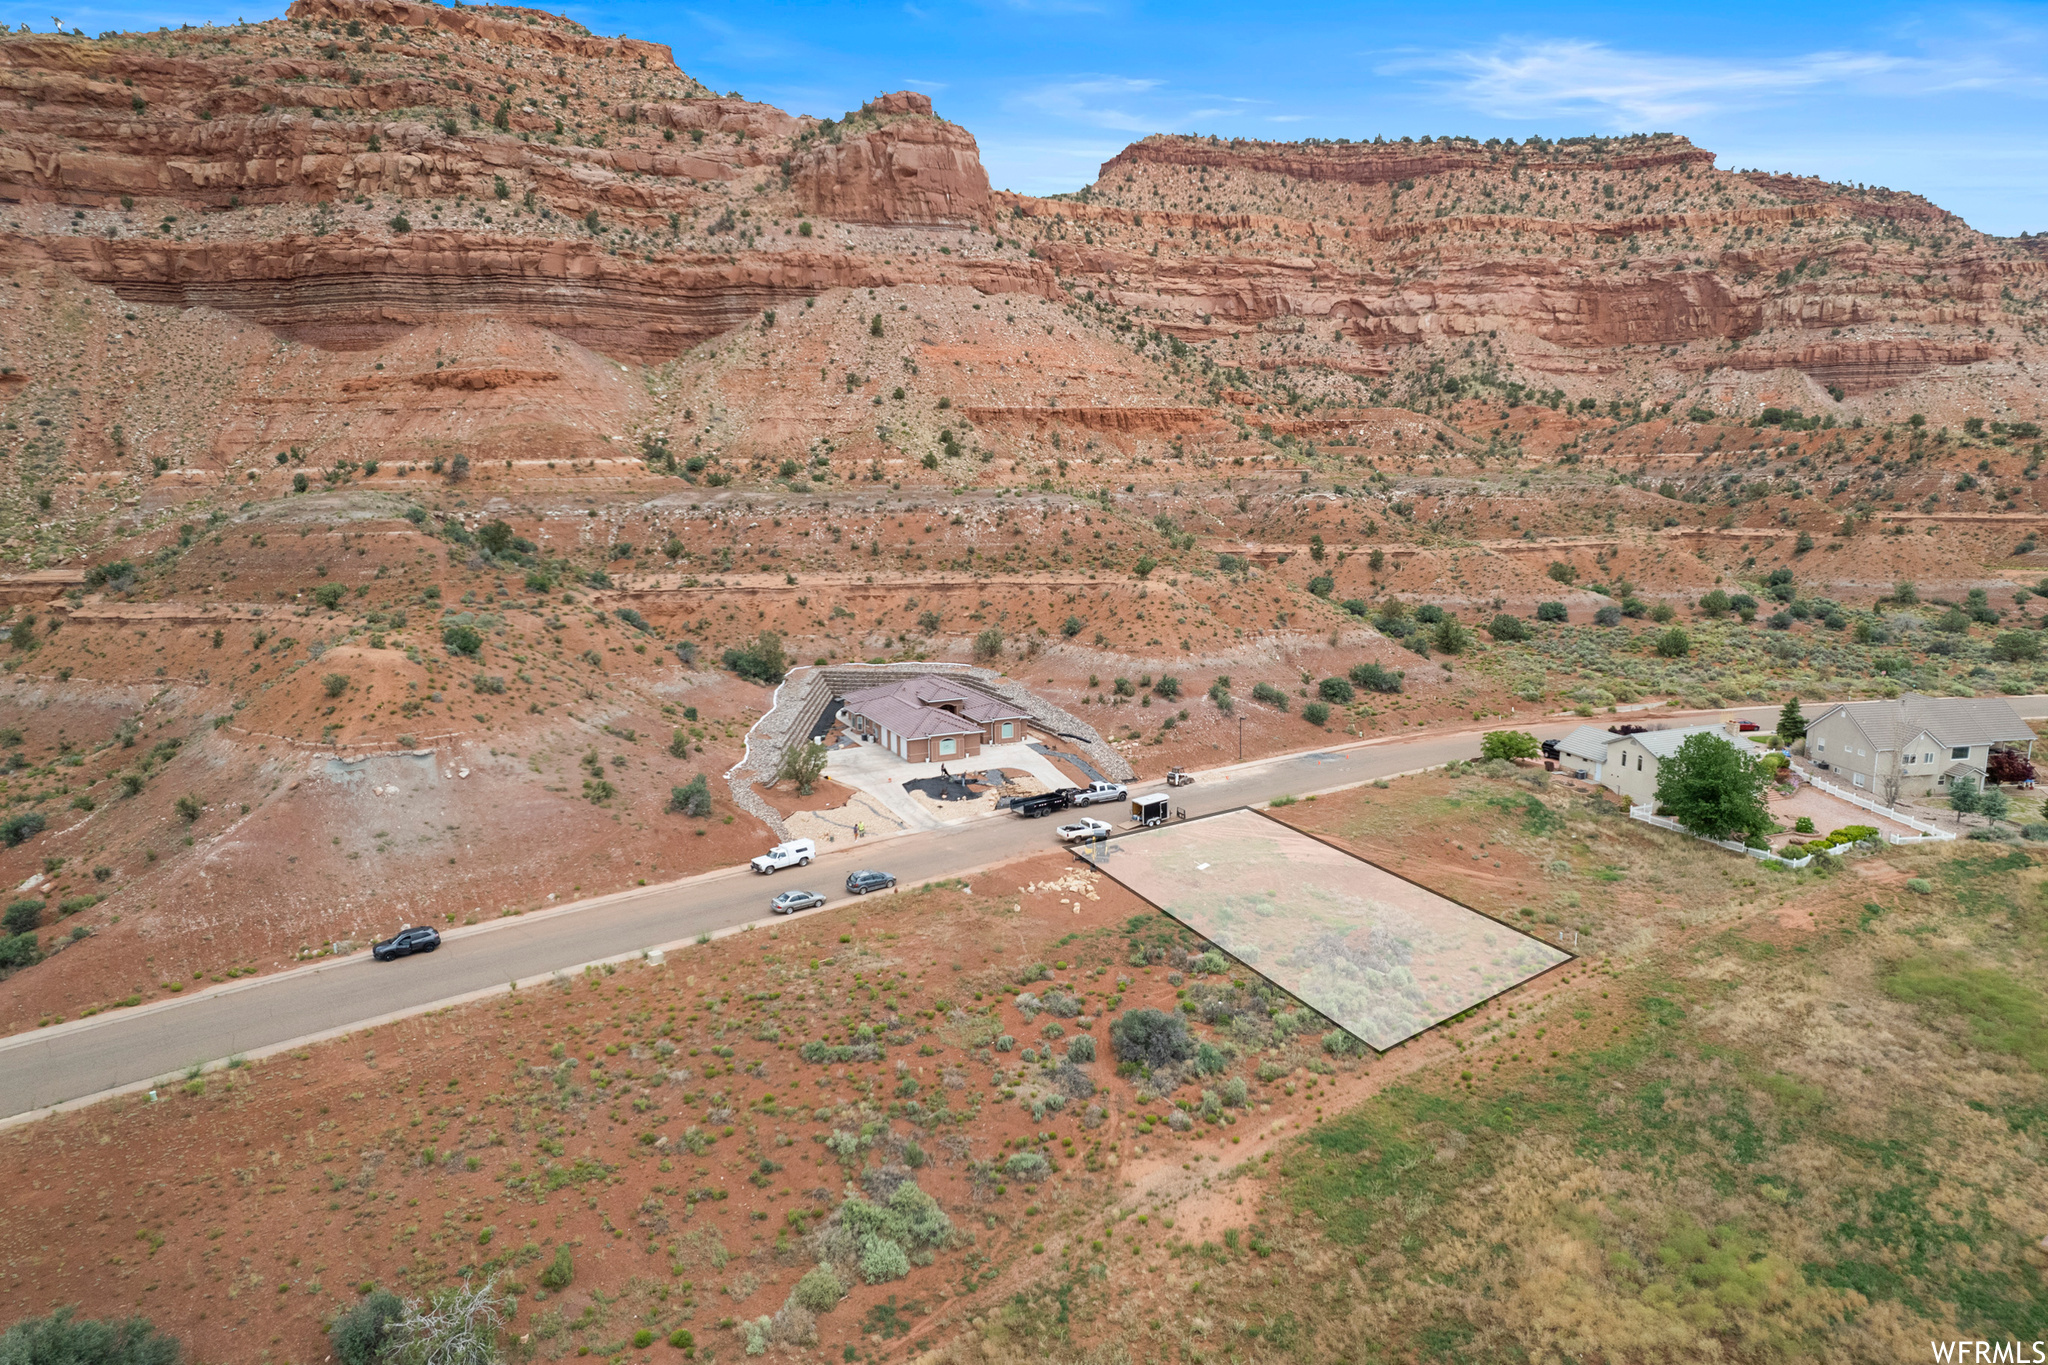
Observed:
{"x":1509,"y":744}
{"x":988,"y":646}
{"x":1450,"y":638}
{"x":495,"y":536}
{"x":1072,"y":626}
{"x":1791,"y":721}
{"x":2016,"y":646}
{"x":1334,"y":690}
{"x":329,"y":595}
{"x":1674,"y":643}
{"x":1316,"y":713}
{"x":1715,"y":604}
{"x":802,"y":763}
{"x":1963,"y":797}
{"x":1993,"y":805}
{"x":1508,"y":628}
{"x":1712,"y":788}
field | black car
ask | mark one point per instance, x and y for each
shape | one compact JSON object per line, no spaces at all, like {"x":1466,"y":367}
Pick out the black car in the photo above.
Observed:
{"x":860,"y":883}
{"x":422,"y":939}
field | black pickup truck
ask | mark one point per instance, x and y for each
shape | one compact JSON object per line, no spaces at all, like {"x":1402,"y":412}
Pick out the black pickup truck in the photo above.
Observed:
{"x":1045,"y":803}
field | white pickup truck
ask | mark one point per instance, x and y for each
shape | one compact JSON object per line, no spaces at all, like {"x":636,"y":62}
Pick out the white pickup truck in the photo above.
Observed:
{"x":1097,"y":792}
{"x":795,"y":853}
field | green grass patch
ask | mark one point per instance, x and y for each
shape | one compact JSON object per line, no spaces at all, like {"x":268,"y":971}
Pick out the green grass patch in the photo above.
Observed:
{"x":2002,"y":1013}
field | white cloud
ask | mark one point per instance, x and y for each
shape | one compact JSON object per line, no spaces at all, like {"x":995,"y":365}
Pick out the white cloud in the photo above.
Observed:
{"x":1101,"y":101}
{"x":1639,"y":89}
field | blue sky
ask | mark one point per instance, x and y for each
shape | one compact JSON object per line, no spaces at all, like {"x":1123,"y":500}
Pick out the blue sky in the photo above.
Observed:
{"x":1950,"y":102}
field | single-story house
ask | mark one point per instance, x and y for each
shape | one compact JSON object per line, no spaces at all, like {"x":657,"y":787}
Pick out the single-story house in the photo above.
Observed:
{"x":1921,"y":743}
{"x":1633,"y":760}
{"x":929,"y":718}
{"x":1586,"y":749}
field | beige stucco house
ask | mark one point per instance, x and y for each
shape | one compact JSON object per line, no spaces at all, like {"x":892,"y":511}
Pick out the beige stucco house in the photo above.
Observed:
{"x":1926,"y":741}
{"x":1628,"y":764}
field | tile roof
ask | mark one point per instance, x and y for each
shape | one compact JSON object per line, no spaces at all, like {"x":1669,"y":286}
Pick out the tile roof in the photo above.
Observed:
{"x":915,"y":707}
{"x":1953,"y":721}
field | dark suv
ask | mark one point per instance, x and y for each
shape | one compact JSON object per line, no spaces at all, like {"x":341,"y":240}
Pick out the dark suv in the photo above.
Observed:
{"x":860,"y":883}
{"x":423,"y":939}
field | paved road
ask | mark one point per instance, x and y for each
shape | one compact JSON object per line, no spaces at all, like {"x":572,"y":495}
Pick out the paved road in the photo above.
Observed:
{"x":129,"y":1049}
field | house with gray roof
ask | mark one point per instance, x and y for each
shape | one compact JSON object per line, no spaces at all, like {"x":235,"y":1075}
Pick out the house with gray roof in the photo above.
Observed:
{"x":1913,"y":745}
{"x":1585,"y":749}
{"x":931,"y":719}
{"x":1633,"y":761}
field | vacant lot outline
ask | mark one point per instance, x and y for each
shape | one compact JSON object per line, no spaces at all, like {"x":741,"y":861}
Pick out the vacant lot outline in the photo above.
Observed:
{"x":1382,"y":957}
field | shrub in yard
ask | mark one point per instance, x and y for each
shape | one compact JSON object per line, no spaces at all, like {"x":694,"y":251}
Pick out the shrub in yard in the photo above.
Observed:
{"x":1509,"y":744}
{"x":803,"y":763}
{"x":357,"y":1336}
{"x":1803,"y":825}
{"x":1151,"y":1038}
{"x":560,"y":1271}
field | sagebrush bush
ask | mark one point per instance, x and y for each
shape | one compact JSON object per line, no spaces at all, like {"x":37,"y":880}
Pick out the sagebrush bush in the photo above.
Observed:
{"x":1151,"y":1038}
{"x":1081,"y":1049}
{"x":560,"y":1271}
{"x":819,"y":1290}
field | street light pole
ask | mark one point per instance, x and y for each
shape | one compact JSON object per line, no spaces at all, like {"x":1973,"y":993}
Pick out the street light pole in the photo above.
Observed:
{"x":1240,"y":739}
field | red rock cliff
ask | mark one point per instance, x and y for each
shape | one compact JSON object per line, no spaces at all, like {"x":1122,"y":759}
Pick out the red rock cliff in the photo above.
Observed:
{"x":893,"y":162}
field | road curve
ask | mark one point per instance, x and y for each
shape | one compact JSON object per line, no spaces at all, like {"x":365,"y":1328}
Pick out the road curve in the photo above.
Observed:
{"x":90,"y":1059}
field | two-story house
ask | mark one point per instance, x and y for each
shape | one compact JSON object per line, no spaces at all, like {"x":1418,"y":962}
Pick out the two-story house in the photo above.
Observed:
{"x":1921,"y":743}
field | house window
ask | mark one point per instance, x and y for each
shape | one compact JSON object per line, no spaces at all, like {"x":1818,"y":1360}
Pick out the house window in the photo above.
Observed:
{"x":1821,"y":746}
{"x":1009,"y":729}
{"x":1857,"y":778}
{"x":1963,"y":752}
{"x":945,"y":747}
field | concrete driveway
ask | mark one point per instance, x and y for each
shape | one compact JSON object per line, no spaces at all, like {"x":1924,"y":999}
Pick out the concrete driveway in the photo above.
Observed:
{"x":874,"y":770}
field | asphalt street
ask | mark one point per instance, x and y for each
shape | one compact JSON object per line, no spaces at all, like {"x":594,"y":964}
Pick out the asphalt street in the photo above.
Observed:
{"x":130,"y":1049}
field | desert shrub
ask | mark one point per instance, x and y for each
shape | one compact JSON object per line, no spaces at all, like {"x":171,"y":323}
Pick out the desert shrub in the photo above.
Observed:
{"x":1082,"y":1048}
{"x":1609,"y":615}
{"x":1027,"y":1166}
{"x":2034,"y":832}
{"x":819,"y":1290}
{"x":462,"y":639}
{"x":762,"y":660}
{"x":21,"y":827}
{"x":1370,"y":677}
{"x":758,"y":1332}
{"x":1316,"y":713}
{"x":334,"y":684}
{"x":988,"y":645}
{"x":1338,"y":1043}
{"x":490,"y":684}
{"x":1551,"y":611}
{"x":882,"y":1236}
{"x":357,"y":1336}
{"x":1429,"y":613}
{"x":23,"y":916}
{"x":19,"y":950}
{"x":1151,"y":1038}
{"x":1235,"y":1092}
{"x":329,"y":595}
{"x":1450,"y":638}
{"x":1336,"y":690}
{"x":1168,"y":686}
{"x":693,"y":798}
{"x":560,"y":1271}
{"x":1674,"y":644}
{"x":61,"y":1339}
{"x":1270,"y":695}
{"x":1507,"y":628}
